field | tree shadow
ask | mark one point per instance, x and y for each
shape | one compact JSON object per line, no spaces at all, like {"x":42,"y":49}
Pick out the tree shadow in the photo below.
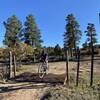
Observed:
{"x":5,"y":89}
{"x":32,"y":81}
{"x":34,"y":77}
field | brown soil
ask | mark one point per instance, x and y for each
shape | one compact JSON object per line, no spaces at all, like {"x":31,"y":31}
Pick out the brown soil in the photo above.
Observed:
{"x":28,"y":86}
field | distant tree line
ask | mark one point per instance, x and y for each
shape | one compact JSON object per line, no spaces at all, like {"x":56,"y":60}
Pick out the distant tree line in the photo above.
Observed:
{"x":55,"y":53}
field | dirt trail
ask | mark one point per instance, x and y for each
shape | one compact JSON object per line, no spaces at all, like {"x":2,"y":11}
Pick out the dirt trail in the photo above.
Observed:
{"x":28,"y":86}
{"x":30,"y":94}
{"x":24,"y":87}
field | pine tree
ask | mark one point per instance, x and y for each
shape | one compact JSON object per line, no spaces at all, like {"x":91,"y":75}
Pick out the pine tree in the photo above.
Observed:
{"x":13,"y":28}
{"x":91,"y":33}
{"x":58,"y":50}
{"x":73,"y":34}
{"x":85,"y":45}
{"x":32,"y":35}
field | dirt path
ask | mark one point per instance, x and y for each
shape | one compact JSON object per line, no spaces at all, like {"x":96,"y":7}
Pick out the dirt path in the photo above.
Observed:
{"x":28,"y":86}
{"x":22,"y":94}
{"x":23,"y":90}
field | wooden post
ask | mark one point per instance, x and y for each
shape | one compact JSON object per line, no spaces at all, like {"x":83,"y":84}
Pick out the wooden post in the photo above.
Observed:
{"x":10,"y":69}
{"x":6,"y":72}
{"x":92,"y":61}
{"x":78,"y":65}
{"x":67,"y":74}
{"x":14,"y":66}
{"x":34,"y":58}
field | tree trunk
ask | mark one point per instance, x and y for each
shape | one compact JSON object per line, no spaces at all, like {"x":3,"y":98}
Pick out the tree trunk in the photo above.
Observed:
{"x":10,"y":69}
{"x":59,"y":57}
{"x":67,"y":74}
{"x":71,"y":53}
{"x":14,"y":66}
{"x":75,"y":50}
{"x":34,"y":58}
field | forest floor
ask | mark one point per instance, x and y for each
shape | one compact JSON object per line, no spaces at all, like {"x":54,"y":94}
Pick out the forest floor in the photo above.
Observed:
{"x":28,"y":86}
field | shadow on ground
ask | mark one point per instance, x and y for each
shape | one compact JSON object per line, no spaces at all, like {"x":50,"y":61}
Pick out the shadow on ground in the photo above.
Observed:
{"x":33,"y":77}
{"x":32,"y":81}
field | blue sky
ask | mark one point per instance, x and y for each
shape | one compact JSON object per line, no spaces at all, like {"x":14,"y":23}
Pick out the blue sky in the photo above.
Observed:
{"x":50,"y":16}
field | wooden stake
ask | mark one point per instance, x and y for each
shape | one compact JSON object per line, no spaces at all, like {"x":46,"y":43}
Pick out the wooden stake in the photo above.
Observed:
{"x":78,"y":65}
{"x":14,"y":66}
{"x":67,"y":74}
{"x":10,"y":69}
{"x":92,"y":61}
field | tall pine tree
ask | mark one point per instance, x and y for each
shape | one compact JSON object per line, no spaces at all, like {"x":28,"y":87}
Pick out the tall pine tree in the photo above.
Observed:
{"x":32,"y":35}
{"x":91,"y":33}
{"x":73,"y":34}
{"x":13,"y":28}
{"x":58,"y":50}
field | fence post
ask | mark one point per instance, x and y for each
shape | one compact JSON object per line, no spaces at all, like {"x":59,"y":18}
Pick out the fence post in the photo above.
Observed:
{"x":67,"y":73}
{"x":78,"y":65}
{"x":92,"y":61}
{"x":10,"y":69}
{"x":14,"y":66}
